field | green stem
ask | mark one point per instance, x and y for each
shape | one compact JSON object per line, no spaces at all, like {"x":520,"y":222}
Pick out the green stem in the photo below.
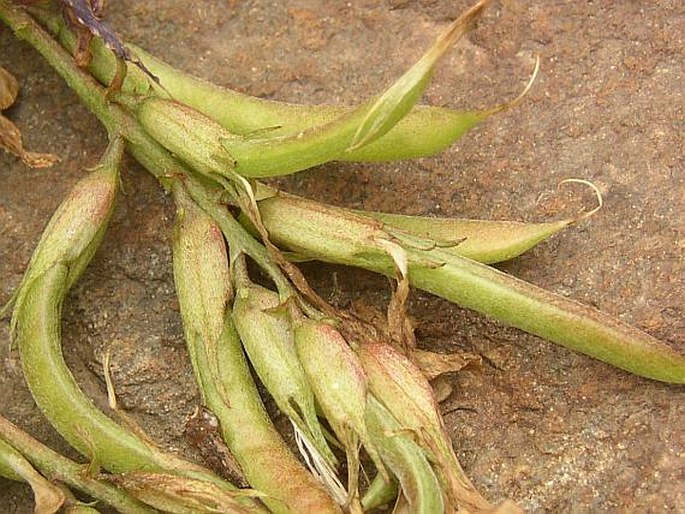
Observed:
{"x":58,"y":468}
{"x":143,"y":148}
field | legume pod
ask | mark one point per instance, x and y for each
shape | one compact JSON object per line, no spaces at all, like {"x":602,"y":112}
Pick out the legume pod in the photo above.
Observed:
{"x":329,"y":234}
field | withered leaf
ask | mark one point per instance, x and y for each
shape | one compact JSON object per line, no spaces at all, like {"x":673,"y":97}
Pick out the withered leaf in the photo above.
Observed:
{"x":10,"y":140}
{"x":9,"y":89}
{"x":435,"y":364}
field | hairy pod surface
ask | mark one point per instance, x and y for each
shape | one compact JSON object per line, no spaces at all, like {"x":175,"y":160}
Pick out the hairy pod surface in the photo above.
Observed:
{"x":188,"y":134}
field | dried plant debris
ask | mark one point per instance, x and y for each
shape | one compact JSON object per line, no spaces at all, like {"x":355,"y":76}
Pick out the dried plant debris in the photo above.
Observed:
{"x":10,"y":136}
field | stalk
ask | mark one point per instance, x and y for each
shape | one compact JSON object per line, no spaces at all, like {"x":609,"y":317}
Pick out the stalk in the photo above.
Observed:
{"x":48,"y":498}
{"x":58,"y":468}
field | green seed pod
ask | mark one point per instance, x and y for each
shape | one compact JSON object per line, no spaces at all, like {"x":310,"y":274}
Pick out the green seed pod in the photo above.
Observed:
{"x":266,"y":332}
{"x":405,"y":459}
{"x":471,"y":285}
{"x":340,"y":388}
{"x":187,"y":133}
{"x":425,"y":131}
{"x":201,"y":274}
{"x":48,"y":497}
{"x":61,"y":256}
{"x":210,"y":149}
{"x":349,"y":235}
{"x":401,"y":387}
{"x":480,"y":240}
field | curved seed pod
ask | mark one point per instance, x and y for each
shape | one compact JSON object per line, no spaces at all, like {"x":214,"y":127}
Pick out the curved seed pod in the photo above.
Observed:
{"x":202,"y":281}
{"x":340,"y":388}
{"x":48,"y":497}
{"x":425,"y":131}
{"x":198,"y":140}
{"x":67,"y":408}
{"x":405,"y":459}
{"x":550,"y":316}
{"x":267,"y":335}
{"x":58,"y":468}
{"x":325,"y":233}
{"x":70,"y":240}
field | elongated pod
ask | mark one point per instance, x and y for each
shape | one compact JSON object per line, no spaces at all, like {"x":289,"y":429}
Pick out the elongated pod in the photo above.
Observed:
{"x":202,"y":280}
{"x":355,"y":242}
{"x":197,"y":138}
{"x":484,"y":241}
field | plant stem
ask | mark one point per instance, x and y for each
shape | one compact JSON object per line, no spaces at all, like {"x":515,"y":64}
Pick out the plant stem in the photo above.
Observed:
{"x":58,"y":468}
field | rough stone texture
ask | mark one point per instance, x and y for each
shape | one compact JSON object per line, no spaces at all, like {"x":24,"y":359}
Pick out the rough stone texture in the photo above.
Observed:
{"x":553,"y":430}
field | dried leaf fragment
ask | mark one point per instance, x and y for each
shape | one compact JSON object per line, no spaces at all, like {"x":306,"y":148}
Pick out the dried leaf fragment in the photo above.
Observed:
{"x":10,"y":136}
{"x":10,"y":140}
{"x":9,"y":89}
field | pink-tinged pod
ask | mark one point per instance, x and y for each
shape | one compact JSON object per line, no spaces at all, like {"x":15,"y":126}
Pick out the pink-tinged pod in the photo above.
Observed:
{"x":340,"y":387}
{"x":402,"y":388}
{"x":76,"y":228}
{"x":201,"y":273}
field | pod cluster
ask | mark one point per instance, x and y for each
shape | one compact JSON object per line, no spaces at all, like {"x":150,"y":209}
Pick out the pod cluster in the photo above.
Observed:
{"x":363,"y":415}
